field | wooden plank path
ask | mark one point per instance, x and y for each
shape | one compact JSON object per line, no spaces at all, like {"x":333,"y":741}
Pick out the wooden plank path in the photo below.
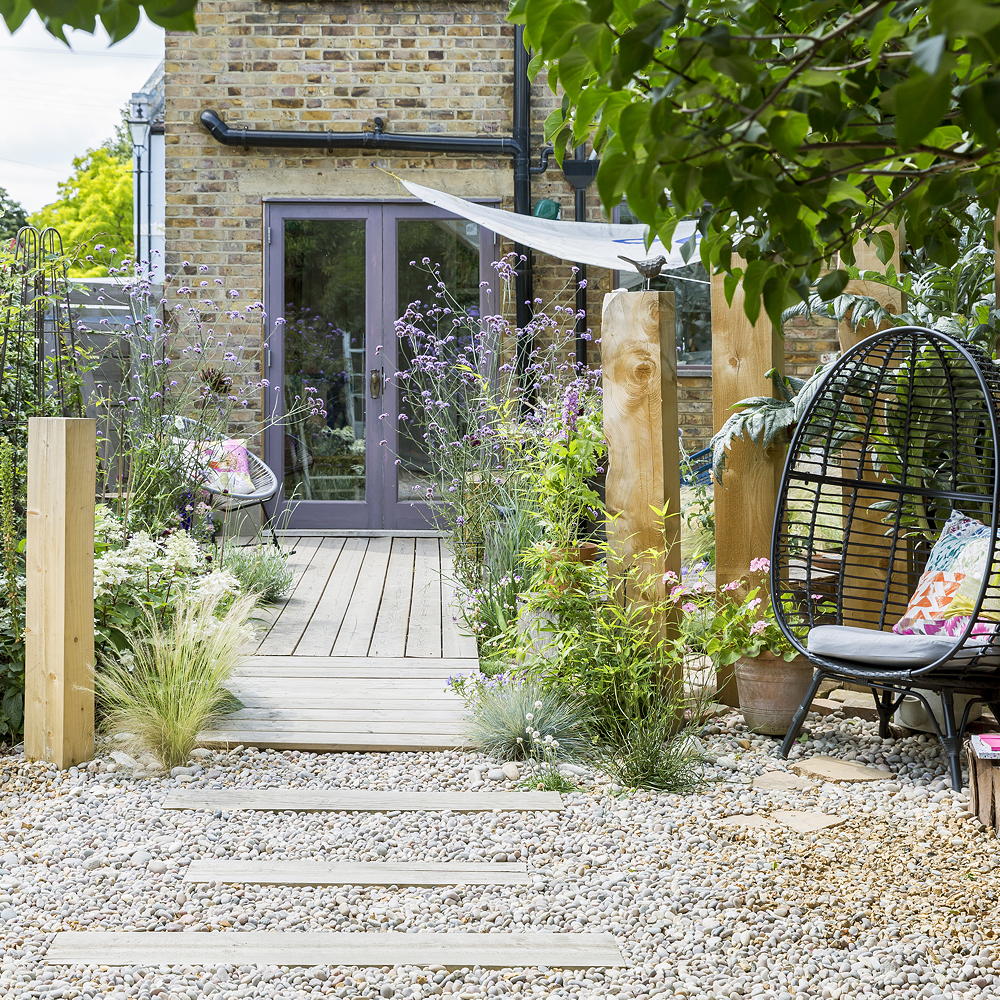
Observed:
{"x":399,"y":873}
{"x":357,"y":657}
{"x":361,"y":596}
{"x":452,"y":950}
{"x":356,"y":800}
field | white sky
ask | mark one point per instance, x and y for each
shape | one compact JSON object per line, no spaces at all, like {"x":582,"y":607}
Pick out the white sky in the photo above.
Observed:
{"x":56,"y":102}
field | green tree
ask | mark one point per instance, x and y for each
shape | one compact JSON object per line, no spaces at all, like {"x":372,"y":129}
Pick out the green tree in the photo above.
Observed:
{"x":12,"y":215}
{"x":789,"y":129}
{"x":119,"y":17}
{"x":93,"y":212}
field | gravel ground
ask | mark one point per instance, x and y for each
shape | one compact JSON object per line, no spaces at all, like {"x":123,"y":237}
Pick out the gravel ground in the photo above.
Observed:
{"x":899,"y":901}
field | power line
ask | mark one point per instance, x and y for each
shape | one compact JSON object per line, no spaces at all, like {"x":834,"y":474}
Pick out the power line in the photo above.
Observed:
{"x":82,"y":52}
{"x":34,"y":166}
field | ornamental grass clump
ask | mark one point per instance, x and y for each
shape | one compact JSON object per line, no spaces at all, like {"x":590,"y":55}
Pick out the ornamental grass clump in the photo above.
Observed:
{"x":173,"y":684}
{"x":262,"y":570}
{"x":514,"y":718}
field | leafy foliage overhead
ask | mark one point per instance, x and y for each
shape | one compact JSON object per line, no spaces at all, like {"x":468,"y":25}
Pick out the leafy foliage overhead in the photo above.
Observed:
{"x":119,"y":17}
{"x":790,"y":130}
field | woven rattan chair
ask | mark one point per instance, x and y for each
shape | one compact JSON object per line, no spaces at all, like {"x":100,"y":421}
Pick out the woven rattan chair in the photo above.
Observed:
{"x":899,"y":437}
{"x":263,"y":480}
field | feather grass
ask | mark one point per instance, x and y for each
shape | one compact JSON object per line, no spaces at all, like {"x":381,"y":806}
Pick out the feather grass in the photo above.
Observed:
{"x":175,"y":686}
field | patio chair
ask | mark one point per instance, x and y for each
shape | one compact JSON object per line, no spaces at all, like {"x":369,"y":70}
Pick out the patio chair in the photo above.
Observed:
{"x":890,"y":487}
{"x":262,"y":479}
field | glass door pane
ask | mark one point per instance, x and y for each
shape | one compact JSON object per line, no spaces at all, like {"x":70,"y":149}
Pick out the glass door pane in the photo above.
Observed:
{"x":325,"y":291}
{"x":454,"y":244}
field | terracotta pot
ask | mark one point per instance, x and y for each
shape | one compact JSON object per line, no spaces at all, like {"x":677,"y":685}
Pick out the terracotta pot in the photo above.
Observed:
{"x":770,"y":690}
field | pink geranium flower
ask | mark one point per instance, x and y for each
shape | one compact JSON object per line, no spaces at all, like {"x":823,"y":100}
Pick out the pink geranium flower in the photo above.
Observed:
{"x":760,"y":565}
{"x":689,"y":607}
{"x":758,"y":627}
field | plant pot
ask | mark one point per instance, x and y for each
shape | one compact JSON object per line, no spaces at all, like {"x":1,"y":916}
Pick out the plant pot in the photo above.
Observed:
{"x":770,"y":690}
{"x":584,"y":553}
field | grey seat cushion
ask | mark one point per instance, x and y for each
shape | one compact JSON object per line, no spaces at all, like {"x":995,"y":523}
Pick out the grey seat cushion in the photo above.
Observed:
{"x":883,"y":649}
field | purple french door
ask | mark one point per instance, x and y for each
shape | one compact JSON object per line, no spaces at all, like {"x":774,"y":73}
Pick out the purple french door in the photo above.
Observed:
{"x":338,"y":274}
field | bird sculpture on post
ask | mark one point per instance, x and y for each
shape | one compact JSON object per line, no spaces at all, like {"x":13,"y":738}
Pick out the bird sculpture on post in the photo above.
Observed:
{"x":648,"y":269}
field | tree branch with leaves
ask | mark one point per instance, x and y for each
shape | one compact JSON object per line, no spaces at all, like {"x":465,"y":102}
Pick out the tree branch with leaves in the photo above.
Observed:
{"x":790,"y":131}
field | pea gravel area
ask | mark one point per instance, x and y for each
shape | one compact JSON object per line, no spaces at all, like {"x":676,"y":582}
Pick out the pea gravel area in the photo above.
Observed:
{"x":897,"y":901}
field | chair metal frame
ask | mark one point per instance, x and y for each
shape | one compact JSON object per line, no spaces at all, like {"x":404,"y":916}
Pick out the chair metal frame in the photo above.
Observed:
{"x":261,"y":476}
{"x":901,"y":432}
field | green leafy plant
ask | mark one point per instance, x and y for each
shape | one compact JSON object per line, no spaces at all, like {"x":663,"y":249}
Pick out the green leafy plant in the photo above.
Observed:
{"x":262,"y":570}
{"x":172,"y":685}
{"x":769,"y":420}
{"x":789,"y":131}
{"x":732,"y":621}
{"x":119,"y":18}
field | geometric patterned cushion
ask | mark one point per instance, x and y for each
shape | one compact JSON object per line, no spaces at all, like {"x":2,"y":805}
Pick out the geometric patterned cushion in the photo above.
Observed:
{"x":954,"y":571}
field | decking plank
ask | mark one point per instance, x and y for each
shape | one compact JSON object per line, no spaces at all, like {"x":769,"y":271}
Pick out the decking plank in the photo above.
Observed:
{"x":389,"y":636}
{"x":334,"y":741}
{"x":454,"y":641}
{"x":301,"y":948}
{"x":331,"y":605}
{"x":355,"y":635}
{"x":313,"y":872}
{"x":302,"y":551}
{"x":291,"y":623}
{"x":423,"y":636}
{"x":357,"y":800}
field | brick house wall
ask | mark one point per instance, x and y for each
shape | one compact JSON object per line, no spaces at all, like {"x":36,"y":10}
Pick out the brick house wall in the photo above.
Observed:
{"x":422,"y":65}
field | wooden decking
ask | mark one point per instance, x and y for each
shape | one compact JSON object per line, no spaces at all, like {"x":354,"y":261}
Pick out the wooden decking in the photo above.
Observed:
{"x":359,"y":655}
{"x":368,"y":597}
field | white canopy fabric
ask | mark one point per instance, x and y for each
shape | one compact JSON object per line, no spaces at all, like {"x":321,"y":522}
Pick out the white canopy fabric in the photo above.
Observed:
{"x":600,"y":244}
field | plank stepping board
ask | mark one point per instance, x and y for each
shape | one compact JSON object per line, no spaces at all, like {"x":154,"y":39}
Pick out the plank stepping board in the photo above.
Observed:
{"x":456,"y":951}
{"x":358,"y":873}
{"x":352,"y":800}
{"x":279,"y":738}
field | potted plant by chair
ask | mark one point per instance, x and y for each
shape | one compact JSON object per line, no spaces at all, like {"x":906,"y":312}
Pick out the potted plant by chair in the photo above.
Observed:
{"x":735,"y":625}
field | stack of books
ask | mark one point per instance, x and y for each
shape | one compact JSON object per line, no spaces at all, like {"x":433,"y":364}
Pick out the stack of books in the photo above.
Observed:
{"x":986,"y":747}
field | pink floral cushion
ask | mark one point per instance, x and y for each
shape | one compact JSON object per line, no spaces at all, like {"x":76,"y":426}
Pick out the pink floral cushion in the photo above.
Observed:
{"x":227,"y":466}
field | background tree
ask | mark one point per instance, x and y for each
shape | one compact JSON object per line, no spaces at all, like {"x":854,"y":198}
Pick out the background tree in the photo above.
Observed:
{"x":93,"y":212}
{"x":12,"y":215}
{"x":119,"y":17}
{"x":790,"y":130}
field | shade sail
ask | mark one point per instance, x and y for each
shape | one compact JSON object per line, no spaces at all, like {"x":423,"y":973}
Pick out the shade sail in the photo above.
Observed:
{"x":601,"y":244}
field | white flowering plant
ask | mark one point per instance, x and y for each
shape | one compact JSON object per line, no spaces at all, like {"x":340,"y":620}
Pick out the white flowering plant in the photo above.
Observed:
{"x":139,"y":576}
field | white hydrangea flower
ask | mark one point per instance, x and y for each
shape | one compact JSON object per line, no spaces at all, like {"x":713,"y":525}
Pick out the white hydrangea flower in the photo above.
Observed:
{"x":181,"y":553}
{"x":218,"y":583}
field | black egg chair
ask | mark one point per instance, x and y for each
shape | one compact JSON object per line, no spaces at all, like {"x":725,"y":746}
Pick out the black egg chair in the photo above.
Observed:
{"x":901,"y":434}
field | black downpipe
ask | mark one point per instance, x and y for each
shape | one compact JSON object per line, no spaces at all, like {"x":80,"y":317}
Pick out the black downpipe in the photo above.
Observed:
{"x":580,"y":211}
{"x":374,"y":139}
{"x":524,"y":285}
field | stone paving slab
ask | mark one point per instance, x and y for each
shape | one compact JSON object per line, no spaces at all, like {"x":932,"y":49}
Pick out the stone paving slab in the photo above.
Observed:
{"x":834,"y":769}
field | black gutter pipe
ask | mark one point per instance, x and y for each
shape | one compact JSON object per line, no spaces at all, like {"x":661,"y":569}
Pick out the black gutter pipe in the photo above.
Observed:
{"x":374,"y":139}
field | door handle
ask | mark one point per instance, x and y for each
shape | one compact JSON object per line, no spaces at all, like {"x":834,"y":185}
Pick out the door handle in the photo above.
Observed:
{"x":376,"y":382}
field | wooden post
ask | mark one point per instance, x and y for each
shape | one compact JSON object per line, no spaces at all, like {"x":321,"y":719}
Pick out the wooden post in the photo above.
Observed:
{"x":59,"y":634}
{"x":866,"y":259}
{"x":639,"y":364}
{"x":745,"y":500}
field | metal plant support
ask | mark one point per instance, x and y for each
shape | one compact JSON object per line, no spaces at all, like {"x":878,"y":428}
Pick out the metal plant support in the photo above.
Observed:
{"x":38,"y":370}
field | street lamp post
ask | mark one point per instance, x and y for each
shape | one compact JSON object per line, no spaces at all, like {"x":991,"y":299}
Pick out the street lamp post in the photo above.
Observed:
{"x":139,"y":127}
